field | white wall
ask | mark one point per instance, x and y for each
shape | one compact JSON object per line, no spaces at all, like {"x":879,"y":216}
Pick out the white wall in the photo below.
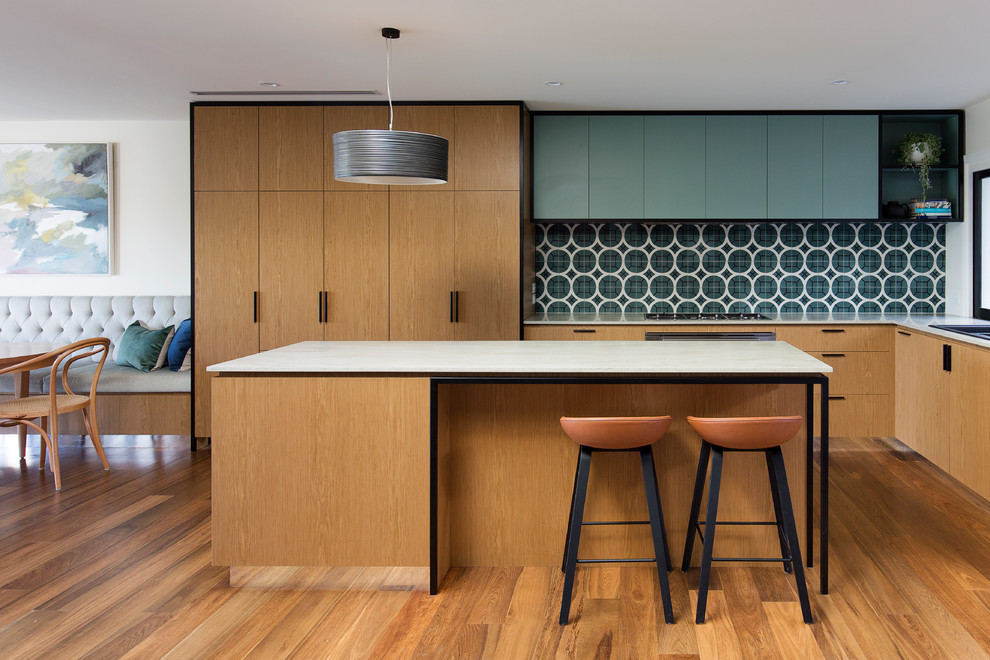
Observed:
{"x":151,"y":184}
{"x":959,"y":236}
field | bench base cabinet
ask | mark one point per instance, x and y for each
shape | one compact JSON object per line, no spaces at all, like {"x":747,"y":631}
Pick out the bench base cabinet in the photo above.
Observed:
{"x":860,"y":387}
{"x":159,"y":413}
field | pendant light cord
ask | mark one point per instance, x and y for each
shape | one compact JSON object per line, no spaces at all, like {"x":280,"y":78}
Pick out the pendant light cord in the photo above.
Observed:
{"x":388,"y":78}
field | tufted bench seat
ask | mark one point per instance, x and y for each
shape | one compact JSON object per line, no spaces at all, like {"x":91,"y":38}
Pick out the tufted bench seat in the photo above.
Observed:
{"x":131,"y":401}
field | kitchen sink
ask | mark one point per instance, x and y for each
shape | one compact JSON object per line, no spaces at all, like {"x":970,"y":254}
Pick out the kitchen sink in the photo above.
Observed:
{"x":975,"y":331}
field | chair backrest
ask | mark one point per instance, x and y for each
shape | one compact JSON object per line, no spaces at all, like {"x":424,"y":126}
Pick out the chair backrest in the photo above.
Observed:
{"x":64,"y":357}
{"x":96,"y":348}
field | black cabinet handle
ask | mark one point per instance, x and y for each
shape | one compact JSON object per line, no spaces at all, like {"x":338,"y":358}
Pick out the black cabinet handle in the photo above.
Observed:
{"x":319,"y":306}
{"x":255,"y":298}
{"x":582,"y":331}
{"x":837,"y":398}
{"x":452,"y":307}
{"x":833,"y":355}
{"x":833,"y":330}
{"x":946,"y":357}
{"x":326,"y":306}
{"x":906,"y":334}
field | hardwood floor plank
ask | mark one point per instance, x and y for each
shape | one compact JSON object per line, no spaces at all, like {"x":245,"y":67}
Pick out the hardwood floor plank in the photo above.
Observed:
{"x":749,"y":619}
{"x":794,"y":637}
{"x":637,"y":634}
{"x":717,"y":636}
{"x":29,"y":625}
{"x":493,"y":604}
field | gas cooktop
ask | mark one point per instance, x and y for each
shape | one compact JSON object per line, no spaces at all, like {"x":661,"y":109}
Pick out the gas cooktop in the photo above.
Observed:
{"x":705,"y":316}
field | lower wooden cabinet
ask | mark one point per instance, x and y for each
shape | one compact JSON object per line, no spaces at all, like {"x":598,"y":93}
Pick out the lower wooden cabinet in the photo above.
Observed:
{"x":860,"y":387}
{"x":942,"y":388}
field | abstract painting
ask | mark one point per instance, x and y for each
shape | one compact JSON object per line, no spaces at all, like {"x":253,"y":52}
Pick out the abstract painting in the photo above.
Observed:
{"x":56,"y":208}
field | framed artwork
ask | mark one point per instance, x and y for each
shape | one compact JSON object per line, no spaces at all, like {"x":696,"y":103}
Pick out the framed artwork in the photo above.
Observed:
{"x":56,"y":208}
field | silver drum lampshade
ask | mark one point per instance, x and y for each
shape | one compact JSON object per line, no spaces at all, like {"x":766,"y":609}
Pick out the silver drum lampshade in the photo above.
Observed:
{"x":389,"y":157}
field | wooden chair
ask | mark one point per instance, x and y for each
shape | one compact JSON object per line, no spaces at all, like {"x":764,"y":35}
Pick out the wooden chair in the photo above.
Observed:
{"x":45,"y":407}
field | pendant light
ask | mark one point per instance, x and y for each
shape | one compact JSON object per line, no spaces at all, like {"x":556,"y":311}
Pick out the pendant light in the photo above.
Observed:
{"x":389,"y":157}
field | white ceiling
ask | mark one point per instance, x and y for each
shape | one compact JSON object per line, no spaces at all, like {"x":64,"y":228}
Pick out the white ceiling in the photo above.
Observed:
{"x":108,"y":59}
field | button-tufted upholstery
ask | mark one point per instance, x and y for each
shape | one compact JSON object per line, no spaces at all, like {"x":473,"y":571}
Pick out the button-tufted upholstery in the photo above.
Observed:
{"x":65,"y":319}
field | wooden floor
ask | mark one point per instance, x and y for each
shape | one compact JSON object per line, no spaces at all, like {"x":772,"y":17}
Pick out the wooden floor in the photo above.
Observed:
{"x":117,"y":565}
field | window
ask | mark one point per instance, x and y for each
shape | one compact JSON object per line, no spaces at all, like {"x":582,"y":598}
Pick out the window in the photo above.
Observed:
{"x":981,"y":244}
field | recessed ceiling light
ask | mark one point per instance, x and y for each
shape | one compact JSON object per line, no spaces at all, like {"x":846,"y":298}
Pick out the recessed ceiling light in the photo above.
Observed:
{"x":840,"y":82}
{"x":552,"y":83}
{"x":268,"y":84}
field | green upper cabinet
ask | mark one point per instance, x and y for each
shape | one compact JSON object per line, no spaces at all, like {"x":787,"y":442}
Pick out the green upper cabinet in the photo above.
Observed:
{"x":715,"y":167}
{"x":615,"y":166}
{"x":674,"y":167}
{"x":851,"y":167}
{"x":560,"y":167}
{"x":736,"y":166}
{"x":794,"y":167}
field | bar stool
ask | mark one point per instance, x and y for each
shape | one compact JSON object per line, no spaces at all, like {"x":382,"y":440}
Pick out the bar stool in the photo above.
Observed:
{"x":615,"y":434}
{"x":764,"y":434}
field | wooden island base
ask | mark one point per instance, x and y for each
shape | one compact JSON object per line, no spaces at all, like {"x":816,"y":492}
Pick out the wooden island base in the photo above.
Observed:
{"x":329,"y":472}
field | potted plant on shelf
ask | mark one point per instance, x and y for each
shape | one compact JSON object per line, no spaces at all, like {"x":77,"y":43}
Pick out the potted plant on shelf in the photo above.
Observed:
{"x":920,"y":151}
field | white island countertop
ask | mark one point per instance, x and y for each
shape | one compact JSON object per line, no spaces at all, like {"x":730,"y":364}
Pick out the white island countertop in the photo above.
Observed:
{"x":530,"y":359}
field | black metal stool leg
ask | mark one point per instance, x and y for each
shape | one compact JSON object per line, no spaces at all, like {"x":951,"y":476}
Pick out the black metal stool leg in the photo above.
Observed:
{"x":662,"y":554}
{"x":775,"y":493}
{"x":780,"y":476}
{"x":699,"y":488}
{"x":574,"y":535}
{"x":570,"y":514}
{"x":709,"y":540}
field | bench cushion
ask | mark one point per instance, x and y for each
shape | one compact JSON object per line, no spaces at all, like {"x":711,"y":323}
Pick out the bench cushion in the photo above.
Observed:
{"x":118,"y":379}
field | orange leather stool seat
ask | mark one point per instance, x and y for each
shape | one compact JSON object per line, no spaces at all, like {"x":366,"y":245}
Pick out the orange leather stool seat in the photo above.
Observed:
{"x":634,"y":434}
{"x":746,"y":432}
{"x":722,"y":434}
{"x":615,"y":432}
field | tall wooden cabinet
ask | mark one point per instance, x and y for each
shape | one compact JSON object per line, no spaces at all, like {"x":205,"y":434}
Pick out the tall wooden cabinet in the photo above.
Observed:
{"x":284,"y":253}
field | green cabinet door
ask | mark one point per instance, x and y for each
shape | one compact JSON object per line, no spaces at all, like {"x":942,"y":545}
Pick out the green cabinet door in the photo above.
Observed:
{"x":674,"y":167}
{"x":560,"y":167}
{"x":851,"y":167}
{"x":736,"y":166}
{"x":794,"y":167}
{"x":615,"y":167}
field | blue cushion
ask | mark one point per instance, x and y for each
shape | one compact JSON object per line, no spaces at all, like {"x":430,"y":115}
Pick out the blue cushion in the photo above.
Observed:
{"x":181,"y":343}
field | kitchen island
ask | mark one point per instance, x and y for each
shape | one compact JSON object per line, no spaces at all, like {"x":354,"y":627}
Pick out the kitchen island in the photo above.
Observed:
{"x":439,"y":454}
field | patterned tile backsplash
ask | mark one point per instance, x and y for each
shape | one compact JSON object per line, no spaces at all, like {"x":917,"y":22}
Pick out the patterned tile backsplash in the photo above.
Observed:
{"x":787,"y":267}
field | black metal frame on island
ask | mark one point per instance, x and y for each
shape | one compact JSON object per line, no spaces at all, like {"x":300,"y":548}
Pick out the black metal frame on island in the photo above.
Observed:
{"x":809,"y":381}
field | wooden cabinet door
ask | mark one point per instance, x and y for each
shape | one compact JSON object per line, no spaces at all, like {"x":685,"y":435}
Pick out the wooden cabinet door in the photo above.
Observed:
{"x":736,"y":166}
{"x":290,"y":267}
{"x":794,"y":167}
{"x":850,"y":166}
{"x":615,"y":167}
{"x":225,"y":280}
{"x":560,"y":167}
{"x":435,"y":120}
{"x":922,"y":397}
{"x":225,"y":148}
{"x":485,"y":149}
{"x":421,"y":265}
{"x":486,"y":265}
{"x":970,"y":378}
{"x":674,"y":166}
{"x":356,"y":265}
{"x":290,"y":148}
{"x":337,"y":118}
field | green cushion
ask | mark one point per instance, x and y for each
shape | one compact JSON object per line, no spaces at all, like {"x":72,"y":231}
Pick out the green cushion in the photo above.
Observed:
{"x":144,"y":348}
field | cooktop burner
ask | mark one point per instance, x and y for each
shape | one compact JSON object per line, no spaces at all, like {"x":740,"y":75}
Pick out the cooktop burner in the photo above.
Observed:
{"x":705,"y":316}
